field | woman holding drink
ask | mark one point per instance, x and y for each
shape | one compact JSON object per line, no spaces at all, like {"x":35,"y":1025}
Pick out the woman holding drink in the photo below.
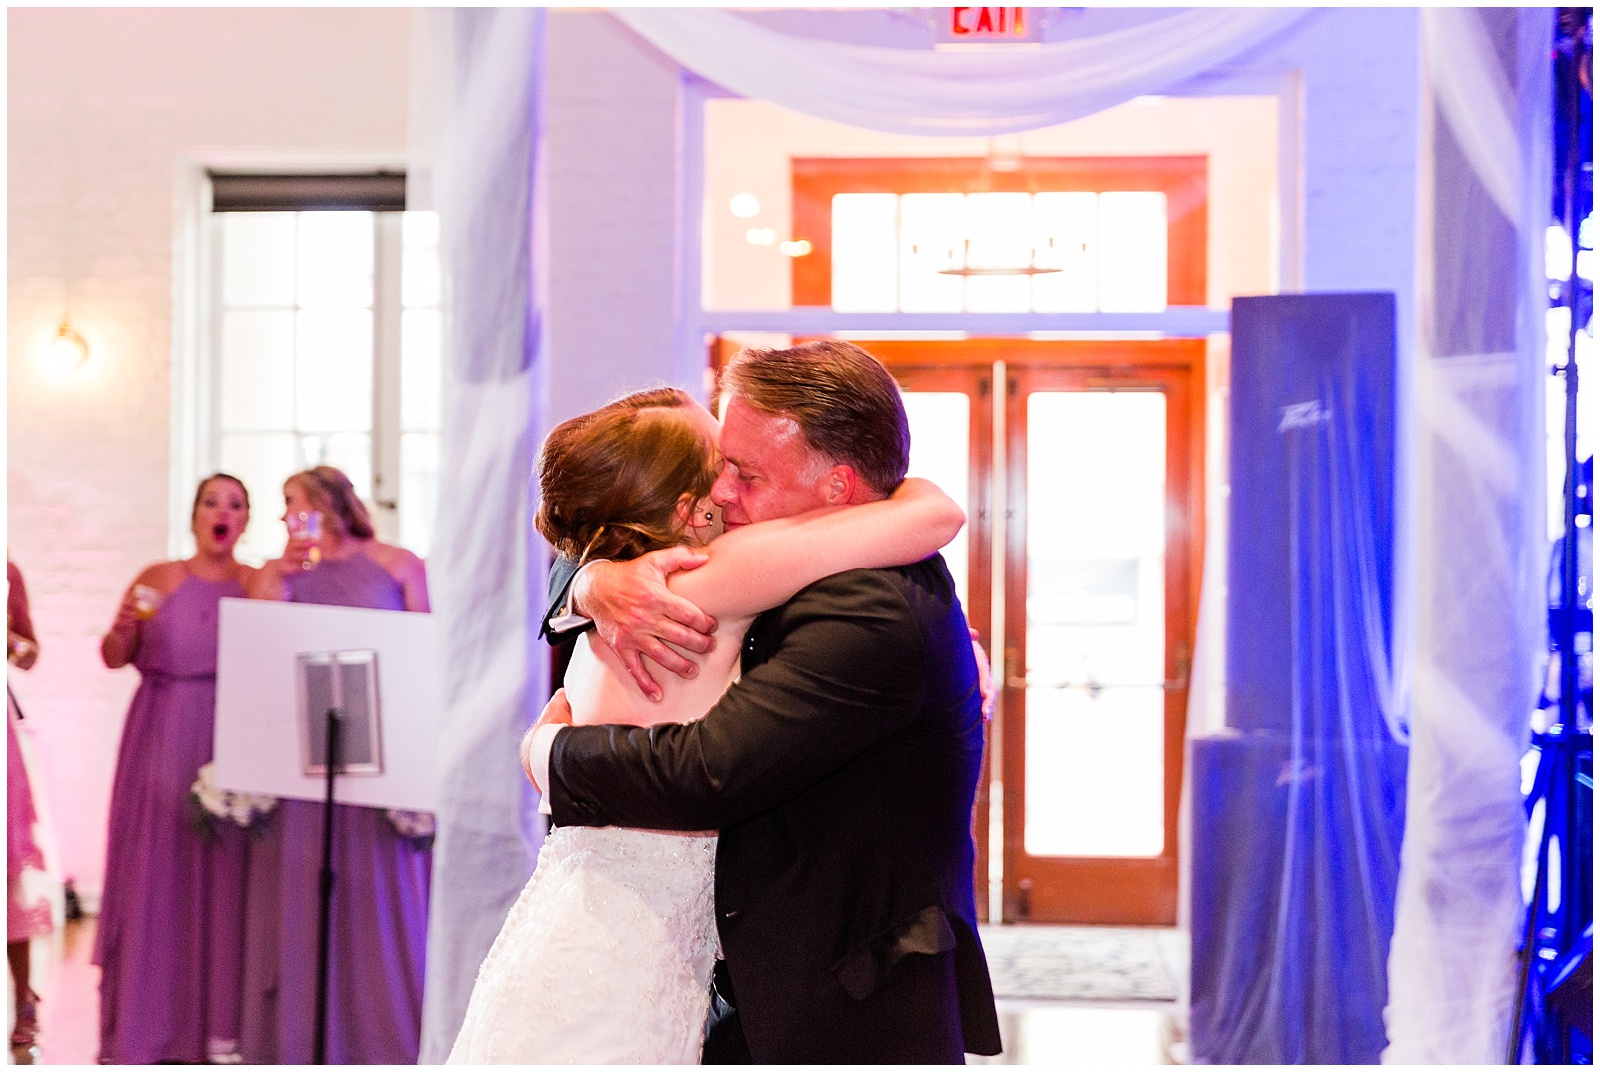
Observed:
{"x":380,"y":901}
{"x":171,"y":916}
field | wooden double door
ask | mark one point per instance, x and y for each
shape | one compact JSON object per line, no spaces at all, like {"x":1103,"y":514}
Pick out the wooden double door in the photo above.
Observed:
{"x":1079,"y":464}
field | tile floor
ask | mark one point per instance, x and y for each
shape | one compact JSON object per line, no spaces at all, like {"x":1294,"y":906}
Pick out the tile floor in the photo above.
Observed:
{"x":1034,"y":1032}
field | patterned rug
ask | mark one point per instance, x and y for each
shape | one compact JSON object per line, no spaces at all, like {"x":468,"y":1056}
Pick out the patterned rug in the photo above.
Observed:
{"x":1076,"y":963}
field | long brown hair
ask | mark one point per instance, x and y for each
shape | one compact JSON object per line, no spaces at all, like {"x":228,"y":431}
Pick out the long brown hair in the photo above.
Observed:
{"x":331,"y":492}
{"x":610,"y":481}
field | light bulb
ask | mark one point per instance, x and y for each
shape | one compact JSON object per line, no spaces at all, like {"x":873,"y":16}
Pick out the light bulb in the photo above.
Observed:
{"x":744,"y":206}
{"x":68,"y":350}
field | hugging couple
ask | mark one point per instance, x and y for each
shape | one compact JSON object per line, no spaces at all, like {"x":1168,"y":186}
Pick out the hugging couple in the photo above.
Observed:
{"x":766,"y":854}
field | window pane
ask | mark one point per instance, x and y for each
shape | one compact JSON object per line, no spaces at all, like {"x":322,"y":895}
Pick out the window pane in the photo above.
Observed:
{"x":864,"y":253}
{"x":257,"y":370}
{"x":258,"y":258}
{"x":940,"y":448}
{"x":1096,"y":624}
{"x":419,"y":269}
{"x":263,"y":462}
{"x":333,"y":370}
{"x":335,"y":259}
{"x":419,"y":490}
{"x":932,"y":238}
{"x":1133,"y":252}
{"x":1064,"y":228}
{"x":1000,"y":233}
{"x":420,"y":373}
{"x":350,"y":452}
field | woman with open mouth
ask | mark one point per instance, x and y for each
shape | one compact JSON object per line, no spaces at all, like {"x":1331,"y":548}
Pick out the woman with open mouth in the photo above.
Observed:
{"x":170,"y":937}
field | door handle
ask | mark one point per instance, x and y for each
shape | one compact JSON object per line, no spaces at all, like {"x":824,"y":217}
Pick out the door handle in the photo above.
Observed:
{"x":1182,"y":664}
{"x":1174,"y":685}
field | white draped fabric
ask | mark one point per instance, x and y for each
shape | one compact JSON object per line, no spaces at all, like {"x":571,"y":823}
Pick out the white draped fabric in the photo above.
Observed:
{"x":913,"y":91}
{"x":1477,"y":101}
{"x":487,"y":571}
{"x":1481,"y":544}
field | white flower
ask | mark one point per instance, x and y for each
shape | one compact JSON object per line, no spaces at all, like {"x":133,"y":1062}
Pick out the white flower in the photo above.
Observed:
{"x":241,"y":809}
{"x":412,"y":824}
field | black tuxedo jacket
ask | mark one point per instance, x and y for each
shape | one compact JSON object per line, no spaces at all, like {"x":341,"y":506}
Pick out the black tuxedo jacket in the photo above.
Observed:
{"x":841,"y":771}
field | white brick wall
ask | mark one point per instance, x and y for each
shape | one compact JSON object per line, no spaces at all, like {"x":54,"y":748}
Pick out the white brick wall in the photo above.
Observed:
{"x":103,"y":105}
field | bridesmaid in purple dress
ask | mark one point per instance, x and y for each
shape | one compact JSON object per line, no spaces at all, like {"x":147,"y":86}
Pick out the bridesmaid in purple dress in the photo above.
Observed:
{"x":380,"y":892}
{"x":171,"y":928}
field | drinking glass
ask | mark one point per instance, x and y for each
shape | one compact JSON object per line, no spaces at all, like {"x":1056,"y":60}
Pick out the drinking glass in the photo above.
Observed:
{"x":146,"y":601}
{"x":311,"y":529}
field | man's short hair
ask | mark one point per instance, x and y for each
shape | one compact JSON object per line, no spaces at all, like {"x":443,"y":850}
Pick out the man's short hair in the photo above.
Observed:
{"x":845,"y":402}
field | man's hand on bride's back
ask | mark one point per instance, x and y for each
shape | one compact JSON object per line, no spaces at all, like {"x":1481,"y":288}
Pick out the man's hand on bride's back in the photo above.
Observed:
{"x":636,"y":614}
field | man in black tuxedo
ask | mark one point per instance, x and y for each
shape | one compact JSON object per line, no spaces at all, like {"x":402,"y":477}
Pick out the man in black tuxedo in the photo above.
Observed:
{"x":840,"y":769}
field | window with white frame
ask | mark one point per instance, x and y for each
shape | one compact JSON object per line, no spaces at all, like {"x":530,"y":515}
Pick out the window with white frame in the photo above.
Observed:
{"x":325,"y":347}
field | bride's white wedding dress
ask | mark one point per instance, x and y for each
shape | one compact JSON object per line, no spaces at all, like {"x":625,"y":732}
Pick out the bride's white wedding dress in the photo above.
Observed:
{"x":606,"y":957}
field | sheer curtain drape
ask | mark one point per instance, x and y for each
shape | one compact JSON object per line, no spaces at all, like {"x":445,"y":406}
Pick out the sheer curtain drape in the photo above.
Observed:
{"x":479,"y":81}
{"x":1481,"y":544}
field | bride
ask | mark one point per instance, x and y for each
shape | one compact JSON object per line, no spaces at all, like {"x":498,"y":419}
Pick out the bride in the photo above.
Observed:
{"x":606,"y":957}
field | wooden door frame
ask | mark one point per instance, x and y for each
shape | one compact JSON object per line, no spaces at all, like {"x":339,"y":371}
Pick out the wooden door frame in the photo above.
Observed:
{"x":1118,"y":890}
{"x":1098,"y":365}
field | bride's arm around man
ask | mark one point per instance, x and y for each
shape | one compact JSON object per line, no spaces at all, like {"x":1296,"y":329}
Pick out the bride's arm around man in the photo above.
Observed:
{"x":840,"y":769}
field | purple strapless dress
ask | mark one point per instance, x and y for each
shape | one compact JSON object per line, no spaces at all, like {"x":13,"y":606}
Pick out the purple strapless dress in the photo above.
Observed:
{"x":171,"y":928}
{"x":380,"y":903}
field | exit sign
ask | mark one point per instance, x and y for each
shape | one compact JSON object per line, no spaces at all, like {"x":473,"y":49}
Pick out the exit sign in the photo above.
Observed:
{"x":963,"y":25}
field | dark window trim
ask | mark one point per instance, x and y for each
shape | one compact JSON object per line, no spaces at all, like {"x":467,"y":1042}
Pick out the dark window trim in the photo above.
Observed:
{"x":382,"y":191}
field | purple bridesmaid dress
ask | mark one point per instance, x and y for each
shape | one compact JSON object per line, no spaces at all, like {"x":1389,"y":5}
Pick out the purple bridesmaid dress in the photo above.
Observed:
{"x":171,"y":928}
{"x":380,"y":903}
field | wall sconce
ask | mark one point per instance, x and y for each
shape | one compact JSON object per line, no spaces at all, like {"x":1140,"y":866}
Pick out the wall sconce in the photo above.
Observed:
{"x":68,"y":351}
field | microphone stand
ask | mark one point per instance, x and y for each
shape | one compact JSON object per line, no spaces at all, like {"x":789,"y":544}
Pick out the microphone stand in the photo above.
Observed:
{"x":319,"y":1038}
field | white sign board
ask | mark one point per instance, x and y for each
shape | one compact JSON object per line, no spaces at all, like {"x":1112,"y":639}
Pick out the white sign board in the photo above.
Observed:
{"x":259,"y":738}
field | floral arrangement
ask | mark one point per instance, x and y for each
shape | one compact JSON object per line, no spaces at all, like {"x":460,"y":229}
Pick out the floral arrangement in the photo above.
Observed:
{"x":419,"y":826}
{"x":242,"y":809}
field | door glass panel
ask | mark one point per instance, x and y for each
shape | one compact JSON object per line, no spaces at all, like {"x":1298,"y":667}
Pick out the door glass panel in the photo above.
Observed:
{"x":940,"y":449}
{"x":1096,"y":624}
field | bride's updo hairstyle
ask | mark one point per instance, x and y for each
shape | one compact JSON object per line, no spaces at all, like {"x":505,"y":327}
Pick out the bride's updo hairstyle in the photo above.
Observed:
{"x":610,"y":481}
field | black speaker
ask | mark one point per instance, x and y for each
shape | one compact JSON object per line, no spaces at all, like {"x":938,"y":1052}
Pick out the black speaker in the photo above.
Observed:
{"x":1311,"y":453}
{"x":1298,"y":808}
